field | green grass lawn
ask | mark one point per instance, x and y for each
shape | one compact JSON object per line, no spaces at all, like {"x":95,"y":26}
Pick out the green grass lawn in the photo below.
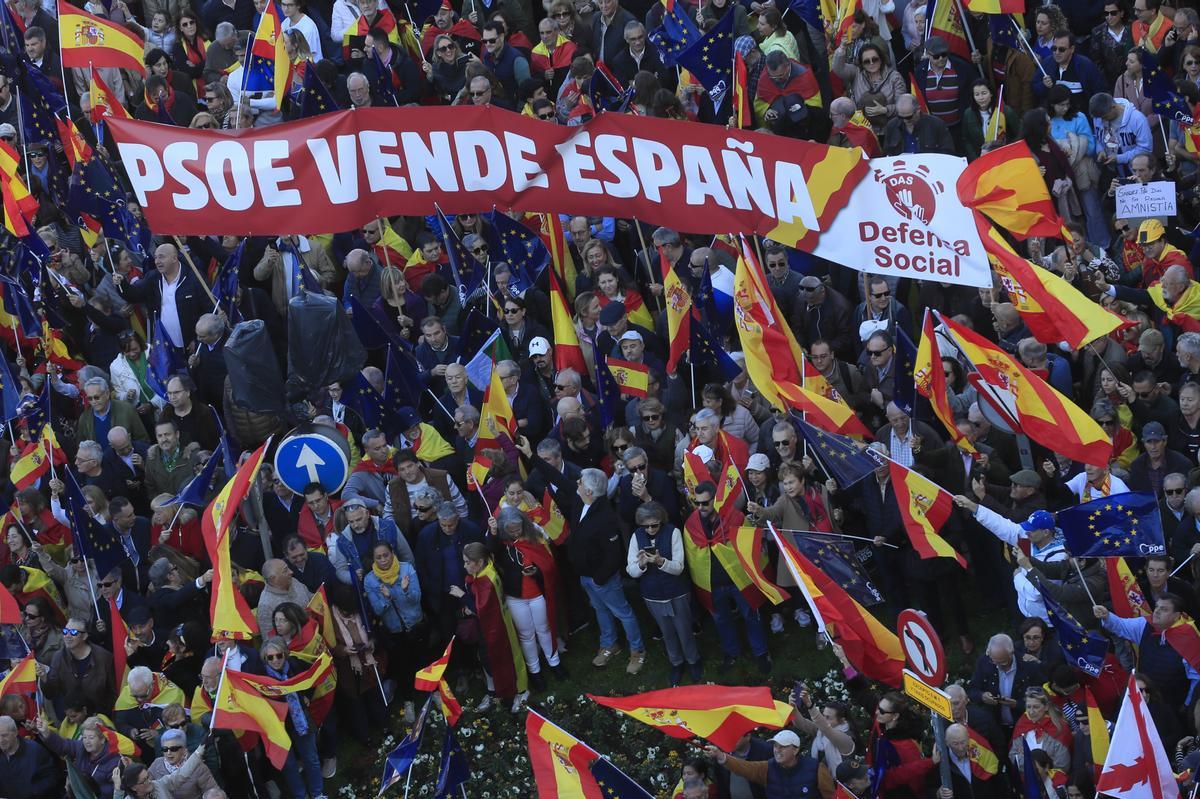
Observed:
{"x":495,"y":742}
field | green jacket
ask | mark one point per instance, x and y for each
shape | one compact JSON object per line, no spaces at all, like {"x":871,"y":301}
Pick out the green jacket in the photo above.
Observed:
{"x":121,"y":414}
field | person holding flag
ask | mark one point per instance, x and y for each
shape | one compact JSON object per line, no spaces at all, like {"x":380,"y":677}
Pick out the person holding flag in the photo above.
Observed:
{"x":1168,"y":646}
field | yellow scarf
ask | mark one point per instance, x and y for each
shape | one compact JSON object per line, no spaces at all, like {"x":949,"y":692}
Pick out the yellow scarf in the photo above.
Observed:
{"x":1104,"y":490}
{"x":388,"y":576}
{"x":1187,"y":304}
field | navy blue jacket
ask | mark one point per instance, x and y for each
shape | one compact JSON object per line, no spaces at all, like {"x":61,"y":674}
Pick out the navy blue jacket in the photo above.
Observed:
{"x":431,"y":567}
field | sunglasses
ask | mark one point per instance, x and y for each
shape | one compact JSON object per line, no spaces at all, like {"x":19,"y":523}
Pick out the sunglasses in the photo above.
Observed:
{"x":546,"y":116}
{"x":490,"y":41}
{"x":782,"y":444}
{"x":274,"y":657}
{"x":445,"y":47}
{"x":1112,"y":12}
{"x":871,"y":60}
{"x":1060,"y":49}
{"x":423,"y":508}
{"x":511,"y":311}
{"x":1175,"y":491}
{"x":562,"y":15}
{"x":557,"y":387}
{"x":641,"y":468}
{"x":171,"y":748}
{"x":703,"y":503}
{"x":107,"y":584}
{"x":881,"y":295}
{"x":652,"y":417}
{"x":481,"y":93}
{"x":70,"y":633}
{"x":29,"y":615}
{"x":478,"y":250}
{"x":652,"y":525}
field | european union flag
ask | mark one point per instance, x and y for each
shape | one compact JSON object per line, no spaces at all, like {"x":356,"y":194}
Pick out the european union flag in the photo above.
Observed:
{"x":845,"y":461}
{"x":31,"y":259}
{"x":1085,"y":650}
{"x":905,"y":392}
{"x":225,"y":284}
{"x":706,"y":300}
{"x":383,"y":81}
{"x":885,"y":757}
{"x":403,"y":384}
{"x":711,"y":59}
{"x":809,"y":11}
{"x":1121,"y":525}
{"x":1003,"y":29}
{"x":301,"y":276}
{"x":523,"y":249}
{"x":96,"y":541}
{"x":94,"y":191}
{"x":478,"y":332}
{"x":454,"y":771}
{"x":361,"y":397}
{"x":838,"y":560}
{"x":17,"y":303}
{"x":614,"y":783}
{"x":197,"y":489}
{"x":400,"y":760}
{"x":10,"y":395}
{"x":161,"y":360}
{"x":706,"y":350}
{"x":1031,"y":783}
{"x":1161,"y":90}
{"x":315,"y":97}
{"x":459,"y":260}
{"x":608,"y":394}
{"x":676,"y":32}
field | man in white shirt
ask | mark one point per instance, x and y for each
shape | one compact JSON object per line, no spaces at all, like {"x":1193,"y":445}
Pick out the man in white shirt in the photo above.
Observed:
{"x":294,"y":17}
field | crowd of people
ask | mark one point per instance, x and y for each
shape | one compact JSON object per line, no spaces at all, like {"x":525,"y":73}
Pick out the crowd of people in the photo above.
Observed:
{"x":579,"y":529}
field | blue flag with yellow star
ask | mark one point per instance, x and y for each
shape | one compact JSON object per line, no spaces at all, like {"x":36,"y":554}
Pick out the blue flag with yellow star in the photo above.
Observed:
{"x":95,"y":541}
{"x":362,"y":398}
{"x":676,"y":32}
{"x":453,"y":771}
{"x":711,"y":59}
{"x":838,"y":560}
{"x":315,"y":97}
{"x":905,"y":392}
{"x":1084,"y":649}
{"x":523,"y":249}
{"x":614,"y":783}
{"x":841,"y":454}
{"x":705,"y":348}
{"x":1160,"y":88}
{"x":1117,"y":526}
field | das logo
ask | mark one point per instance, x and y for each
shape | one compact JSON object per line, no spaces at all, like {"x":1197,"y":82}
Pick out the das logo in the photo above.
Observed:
{"x":912,"y":192}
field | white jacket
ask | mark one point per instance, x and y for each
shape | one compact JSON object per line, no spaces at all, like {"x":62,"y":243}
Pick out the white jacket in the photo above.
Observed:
{"x":123,"y":380}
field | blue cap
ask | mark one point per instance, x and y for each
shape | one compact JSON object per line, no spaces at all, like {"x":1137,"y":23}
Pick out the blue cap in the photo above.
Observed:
{"x":407,"y":418}
{"x":1038,"y":520}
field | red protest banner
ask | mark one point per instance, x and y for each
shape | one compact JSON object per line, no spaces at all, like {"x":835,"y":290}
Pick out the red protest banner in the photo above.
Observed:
{"x":338,"y":171}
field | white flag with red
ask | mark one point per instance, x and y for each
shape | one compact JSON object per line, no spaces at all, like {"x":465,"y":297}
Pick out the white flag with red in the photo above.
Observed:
{"x":1136,"y":766}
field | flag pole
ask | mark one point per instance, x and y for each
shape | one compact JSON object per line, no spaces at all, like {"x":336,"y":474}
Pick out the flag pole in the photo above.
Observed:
{"x":1181,"y":565}
{"x":836,"y":535}
{"x":379,"y":682}
{"x":646,"y":252}
{"x":187,"y":256}
{"x":1028,"y":46}
{"x":212,"y":720}
{"x":962,"y":19}
{"x":1079,"y":571}
{"x":800,"y":583}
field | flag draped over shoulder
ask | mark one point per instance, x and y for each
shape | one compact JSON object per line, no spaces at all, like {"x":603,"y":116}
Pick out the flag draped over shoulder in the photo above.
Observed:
{"x":230,"y":613}
{"x":87,"y":40}
{"x":718,"y":713}
{"x":1044,"y":415}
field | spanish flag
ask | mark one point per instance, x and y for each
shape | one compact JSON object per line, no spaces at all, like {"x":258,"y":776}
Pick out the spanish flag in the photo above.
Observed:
{"x":1097,"y":731}
{"x":318,"y":608}
{"x":429,"y":446}
{"x":30,"y":465}
{"x":924,"y":507}
{"x":240,"y":707}
{"x":19,"y":205}
{"x":832,"y":416}
{"x":22,"y":679}
{"x":931,"y":382}
{"x":230,"y":613}
{"x":1184,"y":638}
{"x":748,"y":544}
{"x":562,"y":264}
{"x":450,"y":706}
{"x":743,"y":110}
{"x":202,"y":706}
{"x":720,"y":714}
{"x":772,"y":354}
{"x":90,"y":41}
{"x":555,"y":525}
{"x":984,"y":763}
{"x":632,"y":378}
{"x":679,"y":313}
{"x":1006,"y":185}
{"x":119,"y":633}
{"x":56,"y":350}
{"x":477,"y":472}
{"x":947,"y":22}
{"x":916,"y":92}
{"x":10,"y":611}
{"x":268,"y":67}
{"x":870,"y":647}
{"x":427,"y":679}
{"x":104,"y":104}
{"x":997,"y":128}
{"x":699,"y":552}
{"x":75,"y":148}
{"x":1184,"y":312}
{"x":163,"y":692}
{"x":1044,"y":415}
{"x":391,"y":249}
{"x":119,"y":743}
{"x":567,"y":352}
{"x":1128,"y":600}
{"x":496,"y":417}
{"x":559,"y":761}
{"x":1054,"y":309}
{"x":311,"y":677}
{"x":39,"y":584}
{"x":995,"y":6}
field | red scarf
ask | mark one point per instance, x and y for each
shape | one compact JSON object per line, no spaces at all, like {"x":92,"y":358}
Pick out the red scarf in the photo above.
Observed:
{"x":195,"y":53}
{"x":153,"y":106}
{"x":368,"y":465}
{"x":1044,"y":727}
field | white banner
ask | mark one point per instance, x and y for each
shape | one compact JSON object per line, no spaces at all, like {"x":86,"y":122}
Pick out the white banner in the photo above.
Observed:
{"x":905,"y":220}
{"x":1141,"y":200}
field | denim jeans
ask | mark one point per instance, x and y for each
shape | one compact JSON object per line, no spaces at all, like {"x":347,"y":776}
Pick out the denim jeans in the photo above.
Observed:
{"x":303,"y":757}
{"x":608,"y":600}
{"x":726,"y":599}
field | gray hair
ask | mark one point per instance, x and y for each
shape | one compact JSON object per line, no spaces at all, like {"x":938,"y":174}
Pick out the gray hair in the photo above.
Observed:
{"x":371,"y":435}
{"x":569,"y":375}
{"x":1100,"y":104}
{"x":274,"y":643}
{"x":103,"y":384}
{"x":1032,"y":350}
{"x":595,"y":481}
{"x":429,"y":494}
{"x":649,"y":512}
{"x":665,"y":237}
{"x":1189,"y":343}
{"x":446,"y":510}
{"x":225,"y":30}
{"x":273,"y":567}
{"x":7,"y":724}
{"x":549,"y":446}
{"x":633,"y":26}
{"x":632,"y":452}
{"x":470,"y":239}
{"x":1000,"y":642}
{"x":92,"y":447}
{"x":956,"y":692}
{"x":469,"y":413}
{"x":842,"y":105}
{"x":509,"y":515}
{"x":707,"y":414}
{"x":1192,"y":500}
{"x":141,"y":677}
{"x":508,"y":368}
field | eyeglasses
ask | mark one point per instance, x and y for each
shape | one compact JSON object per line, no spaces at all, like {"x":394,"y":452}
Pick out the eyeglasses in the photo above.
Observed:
{"x":274,"y":657}
{"x":873,"y":60}
{"x":1108,"y":422}
{"x":638,"y":468}
{"x":1191,"y":63}
{"x":1058,"y":49}
{"x":809,"y":289}
{"x":561,"y":15}
{"x":876,"y":353}
{"x":652,"y":417}
{"x":881,"y":294}
{"x":547,"y":115}
{"x":38,"y":154}
{"x":652,"y":525}
{"x":1112,"y":12}
{"x":620,"y":447}
{"x":445,"y":47}
{"x":1145,"y":395}
{"x":478,"y":250}
{"x":187,"y":23}
{"x":939,"y":56}
{"x":171,"y":748}
{"x":885,"y":712}
{"x":511,"y":311}
{"x":1174,"y":491}
{"x":557,"y":387}
{"x":70,"y":633}
{"x":703,"y":503}
{"x":423,"y":508}
{"x":178,"y":725}
{"x":107,"y":583}
{"x":29,"y":615}
{"x":490,"y":41}
{"x":75,"y":560}
{"x":782,"y":444}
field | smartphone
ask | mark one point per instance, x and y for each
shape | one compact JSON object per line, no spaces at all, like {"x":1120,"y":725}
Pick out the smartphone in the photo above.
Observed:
{"x":651,"y":550}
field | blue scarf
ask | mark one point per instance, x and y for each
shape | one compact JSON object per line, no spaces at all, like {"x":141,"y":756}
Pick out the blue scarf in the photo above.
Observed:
{"x":295,"y":709}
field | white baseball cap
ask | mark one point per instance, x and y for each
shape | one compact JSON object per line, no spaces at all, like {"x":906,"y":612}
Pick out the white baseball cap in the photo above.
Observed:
{"x":786,"y":738}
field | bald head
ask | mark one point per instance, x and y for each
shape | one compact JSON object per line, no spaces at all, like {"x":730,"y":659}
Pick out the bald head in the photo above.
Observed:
{"x":906,"y":105}
{"x":358,"y":262}
{"x":166,"y":261}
